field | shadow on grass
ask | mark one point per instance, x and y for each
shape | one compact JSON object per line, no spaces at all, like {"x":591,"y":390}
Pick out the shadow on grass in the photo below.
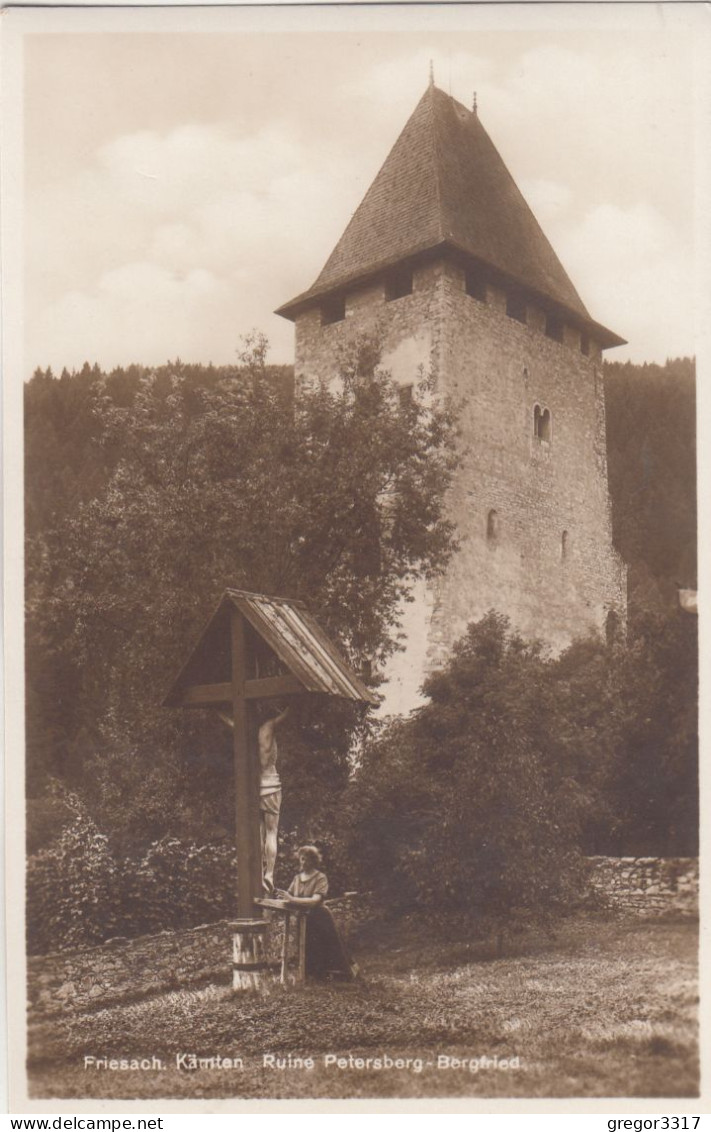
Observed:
{"x":606,"y":1007}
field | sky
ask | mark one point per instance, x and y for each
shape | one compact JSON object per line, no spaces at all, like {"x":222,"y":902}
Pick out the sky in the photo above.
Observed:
{"x":180,"y":185}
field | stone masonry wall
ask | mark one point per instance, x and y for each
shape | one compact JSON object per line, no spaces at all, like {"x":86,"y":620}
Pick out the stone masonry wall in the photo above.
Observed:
{"x":550,"y":566}
{"x":404,"y":326}
{"x":648,"y":886}
{"x":94,"y":977}
{"x":91,"y":978}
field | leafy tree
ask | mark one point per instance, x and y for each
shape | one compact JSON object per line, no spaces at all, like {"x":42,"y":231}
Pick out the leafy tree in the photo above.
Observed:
{"x":485,"y":800}
{"x":471,"y":805}
{"x":334,"y":497}
{"x":628,"y":714}
{"x":652,"y":789}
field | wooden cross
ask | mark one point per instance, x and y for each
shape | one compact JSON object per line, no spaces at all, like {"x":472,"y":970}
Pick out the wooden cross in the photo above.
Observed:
{"x":246,"y":634}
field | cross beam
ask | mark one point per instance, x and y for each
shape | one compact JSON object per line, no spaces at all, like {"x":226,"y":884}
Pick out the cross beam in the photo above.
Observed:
{"x":268,"y":687}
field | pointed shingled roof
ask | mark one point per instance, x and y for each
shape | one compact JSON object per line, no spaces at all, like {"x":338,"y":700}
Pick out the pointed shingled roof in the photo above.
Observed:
{"x":444,"y":184}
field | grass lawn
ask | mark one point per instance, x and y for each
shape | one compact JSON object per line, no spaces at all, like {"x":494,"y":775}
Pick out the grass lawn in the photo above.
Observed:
{"x":606,"y":1008}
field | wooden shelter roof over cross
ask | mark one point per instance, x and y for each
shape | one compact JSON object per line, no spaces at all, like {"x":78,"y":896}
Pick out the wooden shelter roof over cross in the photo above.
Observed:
{"x":257,"y":647}
{"x":287,"y":652}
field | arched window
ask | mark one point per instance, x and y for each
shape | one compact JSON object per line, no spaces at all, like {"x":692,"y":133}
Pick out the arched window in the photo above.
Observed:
{"x":542,"y":424}
{"x":492,"y":526}
{"x":564,"y":546}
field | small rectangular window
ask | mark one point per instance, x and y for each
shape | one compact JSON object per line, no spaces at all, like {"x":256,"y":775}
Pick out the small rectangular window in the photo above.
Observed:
{"x":585,"y":345}
{"x":554,"y":328}
{"x":405,"y":394}
{"x":333,"y":310}
{"x":516,"y":308}
{"x":398,"y":284}
{"x":475,"y":285}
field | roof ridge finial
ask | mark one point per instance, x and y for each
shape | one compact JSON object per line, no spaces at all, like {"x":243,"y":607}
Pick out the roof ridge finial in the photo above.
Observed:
{"x":432,"y":83}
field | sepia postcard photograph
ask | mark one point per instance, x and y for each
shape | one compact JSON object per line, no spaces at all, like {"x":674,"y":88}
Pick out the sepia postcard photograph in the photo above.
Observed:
{"x":351,"y":607}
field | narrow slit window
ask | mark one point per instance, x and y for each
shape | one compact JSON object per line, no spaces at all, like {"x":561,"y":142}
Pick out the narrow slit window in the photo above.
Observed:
{"x":612,"y":628}
{"x":585,"y":345}
{"x":564,"y":546}
{"x":554,"y":328}
{"x":492,"y":526}
{"x":333,"y":310}
{"x":398,"y":284}
{"x":542,"y":424}
{"x":516,"y":308}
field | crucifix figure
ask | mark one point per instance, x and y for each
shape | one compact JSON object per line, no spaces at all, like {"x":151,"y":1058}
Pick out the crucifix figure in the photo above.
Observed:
{"x":269,"y":791}
{"x":269,"y":795}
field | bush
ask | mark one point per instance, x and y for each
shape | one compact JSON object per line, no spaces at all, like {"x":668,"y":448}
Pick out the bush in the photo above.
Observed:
{"x":79,"y":893}
{"x":72,"y":889}
{"x":470,"y":805}
{"x":177,"y":884}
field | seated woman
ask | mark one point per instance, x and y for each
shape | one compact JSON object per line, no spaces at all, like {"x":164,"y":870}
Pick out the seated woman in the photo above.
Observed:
{"x":325,"y":951}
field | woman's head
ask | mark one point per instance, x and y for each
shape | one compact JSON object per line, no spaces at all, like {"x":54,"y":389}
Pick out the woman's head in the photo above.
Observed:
{"x":309,"y":856}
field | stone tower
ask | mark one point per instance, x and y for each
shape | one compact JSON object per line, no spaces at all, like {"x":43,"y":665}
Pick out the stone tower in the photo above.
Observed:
{"x":445,"y":260}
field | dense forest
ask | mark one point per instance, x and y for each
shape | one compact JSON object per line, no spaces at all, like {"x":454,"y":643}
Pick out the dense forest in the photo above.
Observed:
{"x":651,"y":441}
{"x":651,"y":447}
{"x":147,"y":492}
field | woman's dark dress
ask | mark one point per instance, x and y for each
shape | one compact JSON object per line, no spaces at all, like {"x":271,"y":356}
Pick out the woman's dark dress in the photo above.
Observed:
{"x":325,"y":951}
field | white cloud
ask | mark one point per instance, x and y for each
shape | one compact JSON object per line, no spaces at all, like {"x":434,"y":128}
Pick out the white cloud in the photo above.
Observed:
{"x":636,"y":277}
{"x":597,"y":123}
{"x":163,"y":224}
{"x":547,"y":199}
{"x":144,"y":313}
{"x":176,"y":239}
{"x":175,"y":172}
{"x":126,"y":317}
{"x":621,"y":237}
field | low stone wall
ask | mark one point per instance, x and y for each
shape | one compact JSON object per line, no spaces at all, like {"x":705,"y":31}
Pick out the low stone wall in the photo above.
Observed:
{"x":648,"y":886}
{"x":122,"y":970}
{"x":93,"y":977}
